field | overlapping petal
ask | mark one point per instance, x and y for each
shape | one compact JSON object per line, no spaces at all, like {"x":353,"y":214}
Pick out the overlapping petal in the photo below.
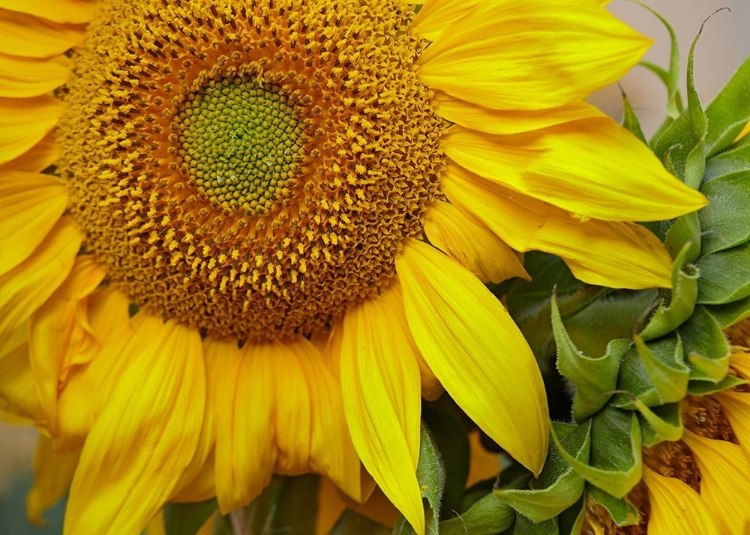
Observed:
{"x":472,"y":245}
{"x":607,"y":253}
{"x":146,"y":434}
{"x":675,"y":507}
{"x":591,"y":167}
{"x":474,"y":348}
{"x":380,"y":383}
{"x":526,"y":55}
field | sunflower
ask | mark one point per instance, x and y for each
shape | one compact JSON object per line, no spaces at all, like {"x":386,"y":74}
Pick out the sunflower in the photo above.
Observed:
{"x":698,"y":484}
{"x":244,"y":238}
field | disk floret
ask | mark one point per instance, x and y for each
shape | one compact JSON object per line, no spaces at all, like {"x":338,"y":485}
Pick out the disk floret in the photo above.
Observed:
{"x":250,"y":168}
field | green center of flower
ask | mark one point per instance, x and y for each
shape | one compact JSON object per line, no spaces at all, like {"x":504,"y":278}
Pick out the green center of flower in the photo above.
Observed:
{"x":240,"y":143}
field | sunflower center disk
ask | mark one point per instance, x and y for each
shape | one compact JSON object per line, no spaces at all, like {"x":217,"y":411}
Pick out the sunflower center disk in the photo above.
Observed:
{"x":254,"y":170}
{"x":240,"y":144}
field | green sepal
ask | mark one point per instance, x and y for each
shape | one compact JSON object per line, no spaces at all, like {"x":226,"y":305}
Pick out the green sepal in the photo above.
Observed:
{"x":594,"y":378}
{"x":352,"y":523}
{"x":662,"y":423}
{"x":431,"y":477}
{"x":726,"y":219}
{"x":675,"y":145}
{"x":670,"y":78}
{"x":735,"y":159}
{"x":285,"y":505}
{"x":558,"y":485}
{"x":729,"y":314}
{"x":663,"y":360}
{"x":634,"y":380}
{"x":682,"y":302}
{"x":630,"y":120}
{"x":706,"y":347}
{"x":450,"y":436}
{"x":615,"y":459}
{"x":684,"y":238}
{"x":725,"y":276}
{"x":729,"y":111}
{"x":187,"y":518}
{"x":525,"y":526}
{"x":571,"y":520}
{"x":487,"y":516}
{"x":702,"y":388}
{"x":620,"y":509}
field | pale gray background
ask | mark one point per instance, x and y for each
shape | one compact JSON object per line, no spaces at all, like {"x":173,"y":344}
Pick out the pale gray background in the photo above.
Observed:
{"x":724,"y":44}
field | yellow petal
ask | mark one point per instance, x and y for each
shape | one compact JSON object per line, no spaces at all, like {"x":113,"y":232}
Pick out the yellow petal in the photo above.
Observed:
{"x":56,"y":330}
{"x":614,"y":254}
{"x":281,"y":403}
{"x":483,"y":464}
{"x":473,"y":246}
{"x":745,"y":131}
{"x":330,"y":507}
{"x":55,"y":10}
{"x":53,"y":472}
{"x":676,"y":507}
{"x":198,"y":481}
{"x":97,"y":367}
{"x":504,"y":122}
{"x":24,"y":122}
{"x":725,"y":472}
{"x":380,"y":382}
{"x":145,"y":436}
{"x":736,"y":405}
{"x":740,"y":361}
{"x":18,"y":389}
{"x":524,"y":55}
{"x":436,"y":15}
{"x":477,"y":352}
{"x":30,"y":283}
{"x":31,"y":37}
{"x":36,"y":159}
{"x":31,"y":205}
{"x":25,"y":77}
{"x":156,"y":525}
{"x":592,"y":167}
{"x":245,"y":399}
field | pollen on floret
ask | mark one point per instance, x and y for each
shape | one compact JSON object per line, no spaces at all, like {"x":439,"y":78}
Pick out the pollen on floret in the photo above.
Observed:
{"x":253,"y":170}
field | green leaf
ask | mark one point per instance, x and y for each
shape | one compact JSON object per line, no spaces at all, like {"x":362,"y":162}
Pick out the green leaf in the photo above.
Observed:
{"x":729,"y":111}
{"x":683,"y":238}
{"x":682,"y":303}
{"x":451,"y":439}
{"x":725,"y":276}
{"x":571,"y":520}
{"x":558,"y":485}
{"x":634,"y":381}
{"x":487,"y":516}
{"x":352,"y":523}
{"x":622,"y":511}
{"x":661,"y":423}
{"x":706,"y":347}
{"x":525,"y":526}
{"x":615,"y":459}
{"x":726,"y":219}
{"x":729,"y":314}
{"x":736,"y":159}
{"x":663,"y":360}
{"x":431,"y":476}
{"x":594,"y":378}
{"x":630,"y":120}
{"x":670,"y":78}
{"x":285,"y":506}
{"x":702,"y":388}
{"x":676,"y":144}
{"x":187,"y":518}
